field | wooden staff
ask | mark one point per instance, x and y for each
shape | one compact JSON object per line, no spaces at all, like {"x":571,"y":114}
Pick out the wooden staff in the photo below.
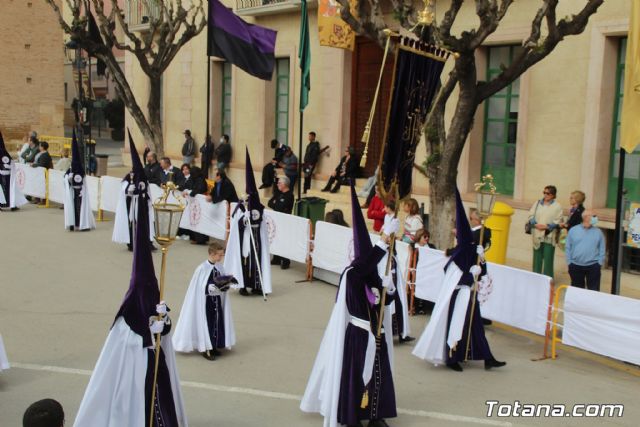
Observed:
{"x":475,"y":293}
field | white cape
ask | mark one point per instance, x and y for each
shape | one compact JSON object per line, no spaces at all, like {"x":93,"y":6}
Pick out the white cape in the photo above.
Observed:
{"x":233,"y":259}
{"x":192,"y":333}
{"x":4,"y":361}
{"x":121,"y":222}
{"x":87,"y":221}
{"x":115,"y":394}
{"x":431,"y":345}
{"x":401,"y":286}
{"x":16,"y":198}
{"x":323,"y":389}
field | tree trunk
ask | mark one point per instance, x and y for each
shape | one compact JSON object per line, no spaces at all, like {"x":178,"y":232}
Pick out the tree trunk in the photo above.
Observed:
{"x":153,"y":133}
{"x":443,"y":172}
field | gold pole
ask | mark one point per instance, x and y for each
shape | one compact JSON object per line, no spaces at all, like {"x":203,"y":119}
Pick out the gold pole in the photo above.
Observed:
{"x":475,"y":293}
{"x":367,"y":127}
{"x":164,"y":249}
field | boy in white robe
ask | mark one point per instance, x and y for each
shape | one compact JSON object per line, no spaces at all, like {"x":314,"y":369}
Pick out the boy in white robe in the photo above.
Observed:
{"x":205,"y":323}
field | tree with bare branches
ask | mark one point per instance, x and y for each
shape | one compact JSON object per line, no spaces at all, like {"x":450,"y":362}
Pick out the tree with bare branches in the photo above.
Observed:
{"x":171,"y":25}
{"x":445,"y":144}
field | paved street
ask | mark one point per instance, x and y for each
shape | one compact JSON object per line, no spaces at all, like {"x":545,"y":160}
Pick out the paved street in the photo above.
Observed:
{"x":60,"y":291}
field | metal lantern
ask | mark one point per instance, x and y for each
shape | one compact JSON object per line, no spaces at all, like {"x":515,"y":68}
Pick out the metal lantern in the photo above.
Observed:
{"x":485,"y":196}
{"x":168,"y":210}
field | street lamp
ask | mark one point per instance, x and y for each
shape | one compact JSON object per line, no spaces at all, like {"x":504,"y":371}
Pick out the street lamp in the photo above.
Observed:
{"x":167,"y":210}
{"x":485,"y":196}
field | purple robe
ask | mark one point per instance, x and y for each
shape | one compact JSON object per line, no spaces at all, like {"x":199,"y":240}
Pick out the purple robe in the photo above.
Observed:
{"x":215,"y":314}
{"x":382,"y":403}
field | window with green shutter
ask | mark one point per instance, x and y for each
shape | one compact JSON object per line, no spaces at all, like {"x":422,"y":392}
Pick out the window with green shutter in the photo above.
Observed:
{"x":282,"y":100}
{"x":501,"y":122}
{"x":632,"y":161}
{"x":226,"y":99}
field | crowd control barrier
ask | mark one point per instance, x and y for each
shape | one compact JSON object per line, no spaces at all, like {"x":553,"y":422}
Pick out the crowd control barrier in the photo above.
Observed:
{"x":601,"y":323}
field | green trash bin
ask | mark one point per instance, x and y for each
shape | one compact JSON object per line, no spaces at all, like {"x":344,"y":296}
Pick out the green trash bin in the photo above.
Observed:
{"x":312,"y":208}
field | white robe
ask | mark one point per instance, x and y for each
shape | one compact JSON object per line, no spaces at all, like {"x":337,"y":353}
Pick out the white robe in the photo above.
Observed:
{"x":4,"y":361}
{"x":233,"y":259}
{"x":115,"y":396}
{"x":192,"y":332}
{"x":431,"y":345}
{"x":16,"y":198}
{"x":121,"y":222}
{"x":401,"y":286}
{"x":323,"y":389}
{"x":87,"y":221}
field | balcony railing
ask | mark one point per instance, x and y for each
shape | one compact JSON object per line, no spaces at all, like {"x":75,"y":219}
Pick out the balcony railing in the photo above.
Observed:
{"x":141,"y":13}
{"x":266,"y":7}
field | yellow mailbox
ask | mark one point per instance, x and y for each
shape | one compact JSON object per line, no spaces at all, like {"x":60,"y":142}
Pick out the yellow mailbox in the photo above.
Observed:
{"x":499,"y":223}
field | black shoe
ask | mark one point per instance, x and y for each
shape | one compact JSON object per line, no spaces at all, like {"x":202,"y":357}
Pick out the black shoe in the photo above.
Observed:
{"x":209,"y":355}
{"x":377,"y":423}
{"x":486,"y":322}
{"x":406,"y":339}
{"x":335,"y":190}
{"x":264,"y":186}
{"x":285,"y":265}
{"x":216,"y":352}
{"x":15,"y":209}
{"x":129,"y":247}
{"x":275,"y":261}
{"x":455,"y":366}
{"x":244,"y":292}
{"x":256,"y":292}
{"x":493,"y":363}
{"x":325,"y":189}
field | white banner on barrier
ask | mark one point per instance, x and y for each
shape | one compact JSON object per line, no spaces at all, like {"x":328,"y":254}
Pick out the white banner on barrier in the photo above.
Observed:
{"x":110,"y":188}
{"x":31,"y":180}
{"x":205,"y":217}
{"x":56,"y":186}
{"x":515,"y":297}
{"x":288,"y":235}
{"x":602,"y":323}
{"x":93,"y":187}
{"x":332,"y":247}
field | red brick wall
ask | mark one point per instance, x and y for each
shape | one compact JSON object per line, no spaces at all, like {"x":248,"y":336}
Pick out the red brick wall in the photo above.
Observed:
{"x":31,"y":69}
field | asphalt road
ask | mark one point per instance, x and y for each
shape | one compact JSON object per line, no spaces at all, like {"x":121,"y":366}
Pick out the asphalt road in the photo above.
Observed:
{"x":59,"y":292}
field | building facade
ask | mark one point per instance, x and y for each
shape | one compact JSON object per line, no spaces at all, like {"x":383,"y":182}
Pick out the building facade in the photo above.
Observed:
{"x":31,"y":69}
{"x":557,"y":124}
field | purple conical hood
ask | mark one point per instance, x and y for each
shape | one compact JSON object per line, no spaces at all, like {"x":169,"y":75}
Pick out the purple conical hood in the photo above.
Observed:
{"x":136,"y":164}
{"x":3,"y":148}
{"x":76,"y":158}
{"x":361,"y":240}
{"x":3,"y":152}
{"x":464,"y":254}
{"x":251,"y":188}
{"x":140,"y":301}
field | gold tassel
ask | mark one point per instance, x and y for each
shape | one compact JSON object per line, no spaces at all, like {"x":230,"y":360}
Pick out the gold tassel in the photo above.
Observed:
{"x":365,"y":399}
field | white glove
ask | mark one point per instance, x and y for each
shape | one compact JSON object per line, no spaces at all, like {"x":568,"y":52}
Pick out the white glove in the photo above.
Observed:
{"x":157,"y":326}
{"x":391,"y":225}
{"x":480,"y":252}
{"x":387,"y":282}
{"x":475,"y":270}
{"x":211,"y":289}
{"x":161,"y":308}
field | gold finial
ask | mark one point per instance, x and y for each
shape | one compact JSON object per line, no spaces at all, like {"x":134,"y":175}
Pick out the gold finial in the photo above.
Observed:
{"x":427,"y":15}
{"x":485,"y":184}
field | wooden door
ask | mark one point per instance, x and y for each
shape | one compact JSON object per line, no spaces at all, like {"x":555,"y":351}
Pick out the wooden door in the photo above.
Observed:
{"x":367,"y":60}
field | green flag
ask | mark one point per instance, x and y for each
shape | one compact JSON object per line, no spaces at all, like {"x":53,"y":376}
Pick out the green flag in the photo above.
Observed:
{"x":304,"y":55}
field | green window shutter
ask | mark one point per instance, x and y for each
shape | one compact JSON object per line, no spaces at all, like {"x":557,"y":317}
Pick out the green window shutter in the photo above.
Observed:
{"x":501,"y":123}
{"x":226,"y":99}
{"x":632,"y":161}
{"x":282,"y":100}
